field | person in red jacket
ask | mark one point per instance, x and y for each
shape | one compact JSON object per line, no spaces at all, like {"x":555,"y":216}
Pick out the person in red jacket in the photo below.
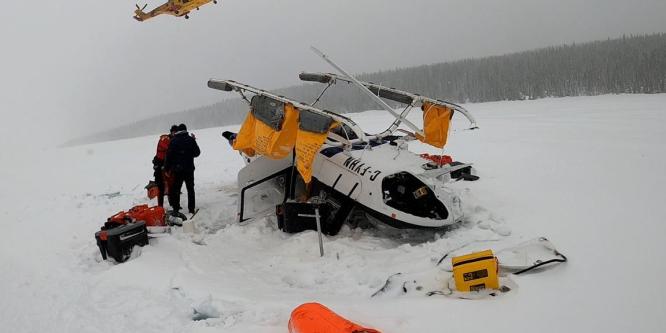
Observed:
{"x":158,"y":164}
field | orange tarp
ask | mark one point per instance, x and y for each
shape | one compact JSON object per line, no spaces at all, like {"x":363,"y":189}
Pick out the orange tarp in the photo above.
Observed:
{"x":245,"y":138}
{"x":436,"y":122}
{"x":307,"y":146}
{"x":257,"y":137}
{"x":316,"y":318}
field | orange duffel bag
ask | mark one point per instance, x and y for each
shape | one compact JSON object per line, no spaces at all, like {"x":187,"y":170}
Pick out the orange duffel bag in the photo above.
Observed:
{"x":153,"y":216}
{"x":316,"y":318}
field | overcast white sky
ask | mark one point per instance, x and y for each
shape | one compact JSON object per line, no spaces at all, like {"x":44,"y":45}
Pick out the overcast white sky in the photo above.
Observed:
{"x":78,"y":66}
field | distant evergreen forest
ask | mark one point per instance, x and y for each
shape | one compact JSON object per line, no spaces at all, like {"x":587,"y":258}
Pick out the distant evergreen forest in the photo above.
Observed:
{"x":631,"y":64}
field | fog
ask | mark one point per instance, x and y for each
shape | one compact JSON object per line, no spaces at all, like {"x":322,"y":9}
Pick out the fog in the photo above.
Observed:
{"x":75,"y":67}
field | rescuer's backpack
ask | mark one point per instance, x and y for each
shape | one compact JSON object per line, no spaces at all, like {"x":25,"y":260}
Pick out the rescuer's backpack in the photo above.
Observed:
{"x":162,"y":146}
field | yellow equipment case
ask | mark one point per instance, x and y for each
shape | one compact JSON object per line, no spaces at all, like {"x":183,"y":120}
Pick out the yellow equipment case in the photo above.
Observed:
{"x":476,"y":271}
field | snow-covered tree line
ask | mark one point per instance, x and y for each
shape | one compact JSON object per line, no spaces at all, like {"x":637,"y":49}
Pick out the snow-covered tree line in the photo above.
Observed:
{"x":631,"y":64}
{"x":634,"y":64}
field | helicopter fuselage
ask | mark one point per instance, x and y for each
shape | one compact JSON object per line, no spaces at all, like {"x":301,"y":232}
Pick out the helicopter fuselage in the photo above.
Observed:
{"x":384,"y":179}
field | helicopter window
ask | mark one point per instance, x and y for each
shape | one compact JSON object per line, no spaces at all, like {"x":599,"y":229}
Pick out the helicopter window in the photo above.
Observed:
{"x":269,"y":111}
{"x":314,"y":122}
{"x":345,"y":131}
{"x":405,"y":192}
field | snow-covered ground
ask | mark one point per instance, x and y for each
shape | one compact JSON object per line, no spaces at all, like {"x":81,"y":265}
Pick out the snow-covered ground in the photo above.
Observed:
{"x":587,"y":172}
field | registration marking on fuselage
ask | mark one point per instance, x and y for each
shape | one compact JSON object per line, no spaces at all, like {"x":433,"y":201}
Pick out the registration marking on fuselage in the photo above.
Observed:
{"x":357,"y":166}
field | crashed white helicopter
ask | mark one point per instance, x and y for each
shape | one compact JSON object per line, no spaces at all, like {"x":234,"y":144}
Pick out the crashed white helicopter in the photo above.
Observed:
{"x":299,"y":157}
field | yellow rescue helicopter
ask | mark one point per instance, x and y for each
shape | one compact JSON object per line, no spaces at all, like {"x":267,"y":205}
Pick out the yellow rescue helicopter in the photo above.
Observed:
{"x":176,"y":8}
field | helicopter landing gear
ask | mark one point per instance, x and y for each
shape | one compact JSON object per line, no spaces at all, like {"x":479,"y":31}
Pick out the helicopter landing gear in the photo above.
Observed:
{"x":197,"y":8}
{"x":187,"y":17}
{"x":215,"y":1}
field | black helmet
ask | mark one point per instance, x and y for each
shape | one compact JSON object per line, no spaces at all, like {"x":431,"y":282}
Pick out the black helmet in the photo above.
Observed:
{"x":174,"y":129}
{"x":182,"y":127}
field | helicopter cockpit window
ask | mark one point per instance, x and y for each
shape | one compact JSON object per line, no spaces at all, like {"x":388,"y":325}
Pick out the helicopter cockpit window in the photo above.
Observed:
{"x":269,"y":111}
{"x":345,"y":131}
{"x":404,"y":192}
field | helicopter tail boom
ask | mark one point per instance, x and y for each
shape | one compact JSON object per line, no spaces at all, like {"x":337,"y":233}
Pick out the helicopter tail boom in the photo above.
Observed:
{"x":140,"y":15}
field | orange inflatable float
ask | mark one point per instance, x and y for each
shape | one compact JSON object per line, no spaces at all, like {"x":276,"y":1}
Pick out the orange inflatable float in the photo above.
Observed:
{"x":316,"y":318}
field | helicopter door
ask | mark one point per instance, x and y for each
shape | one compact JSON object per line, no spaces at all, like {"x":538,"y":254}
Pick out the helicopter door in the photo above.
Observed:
{"x":263,"y":185}
{"x":339,"y":179}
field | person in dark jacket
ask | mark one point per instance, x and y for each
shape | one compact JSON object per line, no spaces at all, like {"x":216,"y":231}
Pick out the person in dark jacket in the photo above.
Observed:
{"x":179,"y":163}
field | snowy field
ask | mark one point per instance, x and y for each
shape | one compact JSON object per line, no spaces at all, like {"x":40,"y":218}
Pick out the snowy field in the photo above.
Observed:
{"x":587,"y":172}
